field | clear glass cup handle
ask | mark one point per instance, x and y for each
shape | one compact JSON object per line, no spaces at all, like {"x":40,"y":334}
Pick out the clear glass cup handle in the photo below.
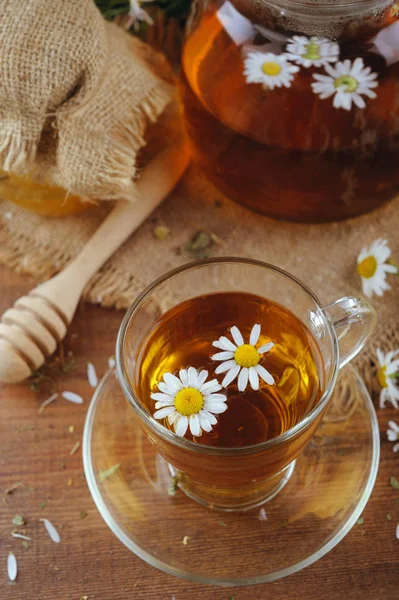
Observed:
{"x":354,"y":320}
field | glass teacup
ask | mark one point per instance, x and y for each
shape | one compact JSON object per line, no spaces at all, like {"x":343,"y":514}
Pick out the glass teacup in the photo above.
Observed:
{"x":240,"y":478}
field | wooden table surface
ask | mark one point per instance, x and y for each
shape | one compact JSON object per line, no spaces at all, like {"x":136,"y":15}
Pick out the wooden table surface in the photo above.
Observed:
{"x":90,"y":562}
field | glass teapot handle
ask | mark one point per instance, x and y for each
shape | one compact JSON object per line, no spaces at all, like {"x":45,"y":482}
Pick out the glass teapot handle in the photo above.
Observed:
{"x":354,"y":320}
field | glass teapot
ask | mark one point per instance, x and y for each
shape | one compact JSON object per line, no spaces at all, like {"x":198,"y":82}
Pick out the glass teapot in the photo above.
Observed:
{"x":292,"y":106}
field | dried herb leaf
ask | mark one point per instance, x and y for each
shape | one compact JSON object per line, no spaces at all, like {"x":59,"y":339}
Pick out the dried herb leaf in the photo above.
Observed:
{"x":83,"y":514}
{"x":393,"y":482}
{"x":43,"y":504}
{"x":201,"y":244}
{"x":74,"y":449}
{"x":185,"y":540}
{"x":68,"y":366}
{"x":222,"y":523}
{"x":102,"y":475}
{"x":47,"y":402}
{"x":218,"y":203}
{"x":360,"y":521}
{"x":388,"y":517}
{"x":69,"y":481}
{"x":25,"y":544}
{"x":71,"y":428}
{"x":363,"y":532}
{"x":18,"y":520}
{"x":161,"y":232}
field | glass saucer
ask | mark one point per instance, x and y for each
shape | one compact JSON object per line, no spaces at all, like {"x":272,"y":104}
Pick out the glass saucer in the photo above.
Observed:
{"x":325,"y":495}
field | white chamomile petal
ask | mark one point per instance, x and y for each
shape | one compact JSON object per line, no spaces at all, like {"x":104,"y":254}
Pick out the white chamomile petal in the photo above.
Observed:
{"x":202,"y":377}
{"x":164,"y":404}
{"x":237,"y":336}
{"x":265,"y":375}
{"x":253,"y":378}
{"x":183,"y":374}
{"x":255,"y":333}
{"x":231,"y":375}
{"x":266,"y":348}
{"x":225,"y":355}
{"x":161,"y":397}
{"x":215,"y":407}
{"x":181,"y":426}
{"x":173,"y":417}
{"x":243,"y":379}
{"x":225,"y":366}
{"x":195,"y":425}
{"x":164,"y":412}
{"x":205,"y":414}
{"x":215,"y":398}
{"x":204,"y":424}
{"x":173,"y":382}
{"x":163,"y":388}
{"x":224,"y":344}
{"x":348,"y":82}
{"x":396,"y":449}
{"x":210,"y":387}
{"x":190,"y":396}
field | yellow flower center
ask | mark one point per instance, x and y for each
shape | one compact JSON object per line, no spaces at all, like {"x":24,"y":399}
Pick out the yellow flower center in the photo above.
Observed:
{"x":349,"y":83}
{"x":367,"y":267}
{"x":189,"y":401}
{"x":382,"y":377}
{"x":247,"y":356}
{"x":312,"y":51}
{"x":271,"y":68}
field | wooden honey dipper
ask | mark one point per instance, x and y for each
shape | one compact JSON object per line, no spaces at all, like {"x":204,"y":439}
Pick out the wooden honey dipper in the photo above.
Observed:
{"x":31,"y":329}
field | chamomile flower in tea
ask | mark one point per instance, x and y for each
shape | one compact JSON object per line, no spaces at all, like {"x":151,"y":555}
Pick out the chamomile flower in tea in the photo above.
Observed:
{"x":189,"y":401}
{"x":312,"y":52}
{"x":242,"y":359}
{"x":268,"y":363}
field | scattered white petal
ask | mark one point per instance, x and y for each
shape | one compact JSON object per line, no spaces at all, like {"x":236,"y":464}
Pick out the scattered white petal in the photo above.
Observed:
{"x":111,"y":362}
{"x":47,"y":402}
{"x":15,"y":534}
{"x":72,"y":397}
{"x":51,"y":530}
{"x":397,"y":531}
{"x":92,"y":375}
{"x":262,"y":515}
{"x":12,"y":567}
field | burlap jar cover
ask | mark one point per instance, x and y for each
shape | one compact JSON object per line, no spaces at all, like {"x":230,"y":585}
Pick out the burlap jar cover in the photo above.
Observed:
{"x":323,"y":256}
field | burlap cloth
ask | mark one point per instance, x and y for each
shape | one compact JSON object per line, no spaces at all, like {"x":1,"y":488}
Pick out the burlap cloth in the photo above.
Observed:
{"x":322,"y":256}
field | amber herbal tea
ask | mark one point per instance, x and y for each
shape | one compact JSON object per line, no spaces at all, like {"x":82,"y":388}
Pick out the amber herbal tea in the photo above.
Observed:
{"x":229,"y":370}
